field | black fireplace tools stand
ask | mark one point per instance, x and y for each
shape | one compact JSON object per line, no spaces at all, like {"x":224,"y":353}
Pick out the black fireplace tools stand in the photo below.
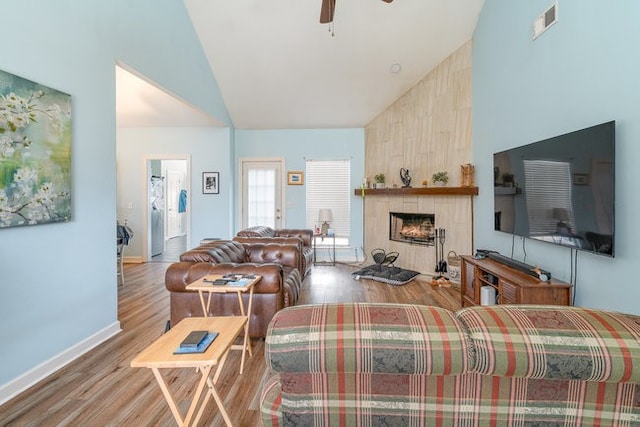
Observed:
{"x":441,"y":264}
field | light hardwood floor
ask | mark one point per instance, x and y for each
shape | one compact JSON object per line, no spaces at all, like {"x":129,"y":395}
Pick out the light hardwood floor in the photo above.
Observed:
{"x":100,"y":389}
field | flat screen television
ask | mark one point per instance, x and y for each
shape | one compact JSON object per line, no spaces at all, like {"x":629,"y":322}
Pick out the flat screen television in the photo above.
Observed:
{"x":559,"y":190}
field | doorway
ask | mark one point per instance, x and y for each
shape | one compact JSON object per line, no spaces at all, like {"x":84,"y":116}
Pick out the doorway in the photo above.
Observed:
{"x":262,"y":194}
{"x":167,"y":208}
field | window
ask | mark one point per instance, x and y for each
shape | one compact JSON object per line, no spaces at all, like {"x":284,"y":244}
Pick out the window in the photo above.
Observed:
{"x":548,"y":203}
{"x":328,"y":185}
{"x":261,"y":185}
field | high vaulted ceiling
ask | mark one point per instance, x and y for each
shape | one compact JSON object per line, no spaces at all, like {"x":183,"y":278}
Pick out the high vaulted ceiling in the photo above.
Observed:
{"x":279,"y":68}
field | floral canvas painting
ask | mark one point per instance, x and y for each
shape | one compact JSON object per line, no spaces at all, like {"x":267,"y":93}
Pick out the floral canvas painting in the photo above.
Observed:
{"x":35,"y":153}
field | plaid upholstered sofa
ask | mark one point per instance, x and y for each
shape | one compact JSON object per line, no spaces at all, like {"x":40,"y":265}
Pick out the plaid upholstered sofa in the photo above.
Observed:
{"x":410,"y":365}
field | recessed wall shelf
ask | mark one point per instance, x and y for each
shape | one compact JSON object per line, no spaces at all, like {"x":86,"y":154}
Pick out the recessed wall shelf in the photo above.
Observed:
{"x":505,"y":191}
{"x":419,"y":191}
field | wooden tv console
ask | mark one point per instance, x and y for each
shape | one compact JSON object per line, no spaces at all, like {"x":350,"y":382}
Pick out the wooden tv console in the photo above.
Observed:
{"x":512,"y":286}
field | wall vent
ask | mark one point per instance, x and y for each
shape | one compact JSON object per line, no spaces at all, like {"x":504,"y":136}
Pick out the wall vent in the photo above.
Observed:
{"x":545,"y":20}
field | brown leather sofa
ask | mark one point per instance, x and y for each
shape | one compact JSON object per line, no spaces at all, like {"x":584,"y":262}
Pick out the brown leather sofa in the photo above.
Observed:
{"x":279,"y":287}
{"x":302,"y":237}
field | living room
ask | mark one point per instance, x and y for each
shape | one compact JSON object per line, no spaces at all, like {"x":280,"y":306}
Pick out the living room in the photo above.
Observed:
{"x":523,"y":91}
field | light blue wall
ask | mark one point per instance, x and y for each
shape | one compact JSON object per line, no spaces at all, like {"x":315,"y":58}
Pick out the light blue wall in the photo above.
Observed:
{"x":583,"y":71}
{"x":58,"y":281}
{"x":208,"y":149}
{"x":297,"y":145}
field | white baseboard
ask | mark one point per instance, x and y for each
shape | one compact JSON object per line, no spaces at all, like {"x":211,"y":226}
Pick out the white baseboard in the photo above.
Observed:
{"x":31,"y":377}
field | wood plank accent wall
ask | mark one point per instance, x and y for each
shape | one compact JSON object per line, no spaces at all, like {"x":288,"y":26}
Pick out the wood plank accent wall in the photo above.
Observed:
{"x":426,"y":130}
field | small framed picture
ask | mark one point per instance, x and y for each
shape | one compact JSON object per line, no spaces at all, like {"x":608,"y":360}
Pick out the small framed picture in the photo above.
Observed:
{"x":580,"y":179}
{"x":295,"y":178}
{"x":210,"y":182}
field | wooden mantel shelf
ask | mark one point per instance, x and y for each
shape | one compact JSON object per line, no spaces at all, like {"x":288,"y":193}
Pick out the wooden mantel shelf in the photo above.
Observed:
{"x":419,"y":191}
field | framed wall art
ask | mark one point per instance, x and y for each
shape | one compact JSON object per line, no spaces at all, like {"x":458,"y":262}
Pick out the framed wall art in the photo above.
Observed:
{"x":580,"y":179}
{"x":210,"y":182}
{"x":35,"y":153}
{"x":295,"y":178}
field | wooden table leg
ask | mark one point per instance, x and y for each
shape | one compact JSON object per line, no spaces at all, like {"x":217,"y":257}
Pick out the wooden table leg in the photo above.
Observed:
{"x":194,"y":403}
{"x":246,"y":343}
{"x":204,"y":307}
{"x":247,"y":340}
{"x":214,"y":392}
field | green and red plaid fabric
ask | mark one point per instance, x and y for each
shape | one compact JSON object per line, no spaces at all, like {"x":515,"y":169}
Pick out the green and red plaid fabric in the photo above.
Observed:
{"x":471,"y":399}
{"x":325,"y":368}
{"x":367,"y":338}
{"x":561,"y":343}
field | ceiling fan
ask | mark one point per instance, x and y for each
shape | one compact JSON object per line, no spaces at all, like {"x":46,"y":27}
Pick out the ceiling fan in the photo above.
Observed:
{"x":328,"y":9}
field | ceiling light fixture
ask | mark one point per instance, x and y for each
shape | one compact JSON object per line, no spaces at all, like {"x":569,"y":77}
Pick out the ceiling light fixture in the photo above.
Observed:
{"x":395,"y":68}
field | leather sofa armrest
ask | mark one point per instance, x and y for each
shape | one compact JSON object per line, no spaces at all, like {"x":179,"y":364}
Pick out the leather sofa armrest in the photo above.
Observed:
{"x":180,"y":274}
{"x":303,"y":233}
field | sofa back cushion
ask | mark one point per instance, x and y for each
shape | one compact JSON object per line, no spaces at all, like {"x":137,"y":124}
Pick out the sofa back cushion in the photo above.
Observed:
{"x":367,"y":338}
{"x":216,"y":251}
{"x":257,"y":231}
{"x":284,"y":254}
{"x":554,"y":342}
{"x":304,"y":234}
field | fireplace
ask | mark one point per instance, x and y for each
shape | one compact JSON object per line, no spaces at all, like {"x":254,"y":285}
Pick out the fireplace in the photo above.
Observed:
{"x":413,"y":228}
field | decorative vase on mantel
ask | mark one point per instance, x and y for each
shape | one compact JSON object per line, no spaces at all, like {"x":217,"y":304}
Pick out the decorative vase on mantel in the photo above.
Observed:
{"x":467,"y":175}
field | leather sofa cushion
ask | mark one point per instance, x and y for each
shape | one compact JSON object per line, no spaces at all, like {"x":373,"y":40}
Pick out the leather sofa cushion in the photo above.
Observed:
{"x":283,"y":254}
{"x":216,"y":251}
{"x":571,"y":343}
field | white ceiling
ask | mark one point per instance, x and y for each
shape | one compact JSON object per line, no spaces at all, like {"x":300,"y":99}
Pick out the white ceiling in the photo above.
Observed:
{"x":279,"y":68}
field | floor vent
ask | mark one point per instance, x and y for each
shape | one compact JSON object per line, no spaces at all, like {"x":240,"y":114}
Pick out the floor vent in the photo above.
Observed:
{"x":546,"y":20}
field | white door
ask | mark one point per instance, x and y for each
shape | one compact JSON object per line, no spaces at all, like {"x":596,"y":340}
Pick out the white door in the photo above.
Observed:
{"x":261,"y":193}
{"x":174,"y":185}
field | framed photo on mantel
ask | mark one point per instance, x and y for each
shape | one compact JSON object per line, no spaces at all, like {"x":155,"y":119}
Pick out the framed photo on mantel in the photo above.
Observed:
{"x":210,"y":182}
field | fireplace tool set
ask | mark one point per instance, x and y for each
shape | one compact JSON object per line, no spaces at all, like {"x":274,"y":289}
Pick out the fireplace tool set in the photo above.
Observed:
{"x":441,"y":264}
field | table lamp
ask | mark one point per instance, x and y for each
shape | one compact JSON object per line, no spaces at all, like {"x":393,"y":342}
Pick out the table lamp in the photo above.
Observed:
{"x":325,"y":216}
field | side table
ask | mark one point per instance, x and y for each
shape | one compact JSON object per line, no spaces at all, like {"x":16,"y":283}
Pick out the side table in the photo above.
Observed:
{"x":159,"y":355}
{"x":204,"y":284}
{"x":331,"y":246}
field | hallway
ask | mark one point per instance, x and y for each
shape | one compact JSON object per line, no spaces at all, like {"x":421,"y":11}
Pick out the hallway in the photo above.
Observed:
{"x":173,"y":248}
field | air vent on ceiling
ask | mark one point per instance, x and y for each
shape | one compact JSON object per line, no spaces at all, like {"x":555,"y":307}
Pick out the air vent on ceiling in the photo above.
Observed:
{"x":546,"y":20}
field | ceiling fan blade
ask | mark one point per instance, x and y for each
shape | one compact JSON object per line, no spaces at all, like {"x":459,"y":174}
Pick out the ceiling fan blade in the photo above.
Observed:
{"x":327,"y":11}
{"x":387,"y":1}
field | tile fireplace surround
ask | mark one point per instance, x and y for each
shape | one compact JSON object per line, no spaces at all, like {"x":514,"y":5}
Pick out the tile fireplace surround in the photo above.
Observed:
{"x":454,"y":213}
{"x":426,"y":130}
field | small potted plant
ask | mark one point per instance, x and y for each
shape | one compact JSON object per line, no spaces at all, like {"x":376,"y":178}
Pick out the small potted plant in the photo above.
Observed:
{"x":440,"y":178}
{"x":380,"y":179}
{"x":507,"y":179}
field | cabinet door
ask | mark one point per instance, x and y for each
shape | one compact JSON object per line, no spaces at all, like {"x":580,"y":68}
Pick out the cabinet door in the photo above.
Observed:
{"x":469,"y":288}
{"x":508,"y":293}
